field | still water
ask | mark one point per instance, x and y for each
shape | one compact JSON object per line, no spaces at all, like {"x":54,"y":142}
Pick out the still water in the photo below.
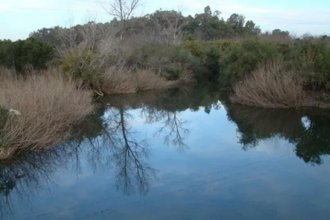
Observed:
{"x":185,"y":154}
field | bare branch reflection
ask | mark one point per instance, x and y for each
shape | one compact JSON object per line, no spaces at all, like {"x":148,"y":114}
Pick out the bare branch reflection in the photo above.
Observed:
{"x":173,"y":130}
{"x":129,"y":155}
{"x":108,"y":143}
{"x":21,"y":176}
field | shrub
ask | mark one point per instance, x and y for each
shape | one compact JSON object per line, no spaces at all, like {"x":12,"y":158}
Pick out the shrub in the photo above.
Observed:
{"x":122,"y":81}
{"x":205,"y":64}
{"x":3,"y":118}
{"x":312,"y":59}
{"x":269,"y":87}
{"x":24,"y":53}
{"x":167,"y":61}
{"x":241,"y":58}
{"x":84,"y":65}
{"x":48,"y":106}
{"x":147,"y":80}
{"x":119,"y":81}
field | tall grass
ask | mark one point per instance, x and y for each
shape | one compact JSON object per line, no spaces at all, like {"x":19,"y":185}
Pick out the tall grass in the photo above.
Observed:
{"x":48,"y":106}
{"x":268,"y":86}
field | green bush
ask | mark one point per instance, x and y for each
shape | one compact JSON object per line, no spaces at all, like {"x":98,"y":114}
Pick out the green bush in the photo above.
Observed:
{"x":84,"y":65}
{"x":241,"y":58}
{"x":25,"y":53}
{"x":206,"y":62}
{"x":7,"y":53}
{"x":311,"y":58}
{"x":167,"y":61}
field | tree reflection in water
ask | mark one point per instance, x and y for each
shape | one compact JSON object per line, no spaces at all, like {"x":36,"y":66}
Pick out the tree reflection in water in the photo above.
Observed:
{"x":129,"y":154}
{"x":107,"y":140}
{"x":116,"y":146}
{"x":311,"y":141}
{"x":173,"y":130}
{"x":23,"y":175}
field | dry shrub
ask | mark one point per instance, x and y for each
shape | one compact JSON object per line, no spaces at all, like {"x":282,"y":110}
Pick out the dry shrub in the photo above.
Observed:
{"x":147,"y":80}
{"x":268,"y":86}
{"x":5,"y":72}
{"x":48,"y":105}
{"x":118,"y":81}
{"x":122,"y":81}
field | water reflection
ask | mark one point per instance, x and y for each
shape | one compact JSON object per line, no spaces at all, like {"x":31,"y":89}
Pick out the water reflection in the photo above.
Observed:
{"x":109,"y":141}
{"x":22,"y":175}
{"x":128,"y":153}
{"x":104,"y":141}
{"x":307,"y":129}
{"x":114,"y":145}
{"x":173,"y":130}
{"x":164,"y":108}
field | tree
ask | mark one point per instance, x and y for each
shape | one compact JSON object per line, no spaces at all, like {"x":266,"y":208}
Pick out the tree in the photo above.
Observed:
{"x":167,"y":26}
{"x":236,"y":22}
{"x":23,"y":54}
{"x":206,"y":26}
{"x":122,"y":9}
{"x":251,"y":29}
{"x":279,"y":32}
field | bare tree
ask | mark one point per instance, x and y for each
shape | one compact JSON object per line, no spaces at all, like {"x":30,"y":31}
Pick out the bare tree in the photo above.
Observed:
{"x":122,"y":9}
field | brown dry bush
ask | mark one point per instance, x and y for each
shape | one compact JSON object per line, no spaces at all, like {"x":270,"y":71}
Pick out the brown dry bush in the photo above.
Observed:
{"x":121,"y":81}
{"x":268,"y":86}
{"x":118,"y":81}
{"x":147,"y":80}
{"x":48,"y":105}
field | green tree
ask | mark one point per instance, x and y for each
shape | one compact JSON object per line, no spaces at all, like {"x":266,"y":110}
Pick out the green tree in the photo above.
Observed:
{"x":236,"y":22}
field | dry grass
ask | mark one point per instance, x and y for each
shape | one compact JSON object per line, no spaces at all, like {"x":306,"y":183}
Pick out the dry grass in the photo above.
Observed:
{"x":121,"y":81}
{"x":269,"y":87}
{"x":48,"y":105}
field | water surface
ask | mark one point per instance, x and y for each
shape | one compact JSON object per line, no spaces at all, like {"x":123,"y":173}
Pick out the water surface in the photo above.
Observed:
{"x":185,"y":154}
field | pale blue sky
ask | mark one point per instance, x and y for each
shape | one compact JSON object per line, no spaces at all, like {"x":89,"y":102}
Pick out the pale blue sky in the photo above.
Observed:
{"x":18,"y":18}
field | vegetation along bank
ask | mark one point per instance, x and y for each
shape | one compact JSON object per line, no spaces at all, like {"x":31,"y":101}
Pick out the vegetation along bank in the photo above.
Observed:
{"x":48,"y":80}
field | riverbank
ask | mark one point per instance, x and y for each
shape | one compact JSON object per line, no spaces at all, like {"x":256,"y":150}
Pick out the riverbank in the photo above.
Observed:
{"x":40,"y":110}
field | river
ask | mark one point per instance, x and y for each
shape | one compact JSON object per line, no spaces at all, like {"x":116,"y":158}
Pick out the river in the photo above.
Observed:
{"x":179,"y":154}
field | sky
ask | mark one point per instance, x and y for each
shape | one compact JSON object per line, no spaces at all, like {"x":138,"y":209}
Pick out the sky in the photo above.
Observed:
{"x":18,"y":18}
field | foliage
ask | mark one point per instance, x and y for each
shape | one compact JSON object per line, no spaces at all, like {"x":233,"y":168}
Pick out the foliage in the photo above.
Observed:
{"x":210,"y":26}
{"x":312,"y":59}
{"x":169,"y":62}
{"x":22,"y":54}
{"x":241,"y":58}
{"x":206,"y":62}
{"x":84,"y":65}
